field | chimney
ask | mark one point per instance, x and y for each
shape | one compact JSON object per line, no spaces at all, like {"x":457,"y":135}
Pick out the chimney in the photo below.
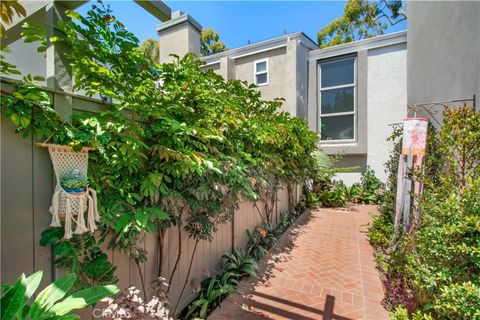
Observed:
{"x":179,"y":36}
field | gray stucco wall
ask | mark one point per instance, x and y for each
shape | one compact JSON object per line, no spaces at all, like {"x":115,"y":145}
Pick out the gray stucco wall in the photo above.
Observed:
{"x":387,"y":100}
{"x":278,"y":84}
{"x":443,"y":50}
{"x":302,"y":81}
{"x":386,"y":103}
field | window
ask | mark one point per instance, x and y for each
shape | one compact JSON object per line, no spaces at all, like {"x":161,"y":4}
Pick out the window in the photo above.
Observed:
{"x":337,"y":100}
{"x":261,"y":72}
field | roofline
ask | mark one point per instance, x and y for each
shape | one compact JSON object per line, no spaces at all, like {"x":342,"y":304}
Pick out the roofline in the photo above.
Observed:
{"x":366,"y":44}
{"x":261,"y":46}
{"x":179,"y":17}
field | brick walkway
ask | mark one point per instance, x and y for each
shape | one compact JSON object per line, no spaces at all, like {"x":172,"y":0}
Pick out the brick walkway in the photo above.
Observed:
{"x":322,"y":268}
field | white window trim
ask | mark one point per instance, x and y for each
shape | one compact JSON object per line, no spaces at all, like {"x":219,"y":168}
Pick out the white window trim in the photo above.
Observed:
{"x":255,"y":73}
{"x":354,"y":112}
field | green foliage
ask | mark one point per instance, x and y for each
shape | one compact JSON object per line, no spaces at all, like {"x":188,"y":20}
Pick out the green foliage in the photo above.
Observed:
{"x":173,"y":134}
{"x":81,"y":255}
{"x":8,"y":9}
{"x":210,"y":42}
{"x":362,"y":19}
{"x":312,"y":199}
{"x":460,"y":136}
{"x":50,"y":303}
{"x":330,"y":193}
{"x":434,"y":272}
{"x":259,"y":241}
{"x":400,"y":313}
{"x":151,"y":50}
{"x":459,"y":301}
{"x":240,"y":263}
{"x":369,"y":190}
{"x":214,"y":290}
{"x":380,"y":232}
{"x":335,"y":196}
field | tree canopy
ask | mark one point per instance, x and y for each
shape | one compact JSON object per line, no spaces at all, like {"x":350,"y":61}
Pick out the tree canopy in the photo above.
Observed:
{"x":210,"y":42}
{"x":151,"y":50}
{"x":362,"y":19}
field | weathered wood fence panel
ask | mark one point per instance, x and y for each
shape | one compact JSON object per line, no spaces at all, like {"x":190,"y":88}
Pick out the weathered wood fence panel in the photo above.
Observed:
{"x":26,"y":190}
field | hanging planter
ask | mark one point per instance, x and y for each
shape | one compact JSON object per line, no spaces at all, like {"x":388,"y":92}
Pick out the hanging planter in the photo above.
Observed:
{"x":73,"y":201}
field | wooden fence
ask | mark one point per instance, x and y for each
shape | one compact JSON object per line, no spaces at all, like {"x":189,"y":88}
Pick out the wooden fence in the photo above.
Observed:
{"x":26,"y":188}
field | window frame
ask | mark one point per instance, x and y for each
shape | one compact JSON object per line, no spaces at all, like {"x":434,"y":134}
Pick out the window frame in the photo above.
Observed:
{"x":345,"y":113}
{"x":255,"y":72}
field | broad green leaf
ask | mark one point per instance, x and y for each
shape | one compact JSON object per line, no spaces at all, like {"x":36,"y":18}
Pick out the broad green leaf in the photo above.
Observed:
{"x":51,"y":294}
{"x":157,"y":213}
{"x":83,"y":298}
{"x":12,"y":300}
{"x":31,"y":284}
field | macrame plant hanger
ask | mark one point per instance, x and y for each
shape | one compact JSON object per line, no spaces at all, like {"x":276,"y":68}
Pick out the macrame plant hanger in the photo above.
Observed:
{"x":68,"y":206}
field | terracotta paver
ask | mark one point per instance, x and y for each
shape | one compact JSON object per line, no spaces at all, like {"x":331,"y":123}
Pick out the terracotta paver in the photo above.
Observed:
{"x":322,"y":268}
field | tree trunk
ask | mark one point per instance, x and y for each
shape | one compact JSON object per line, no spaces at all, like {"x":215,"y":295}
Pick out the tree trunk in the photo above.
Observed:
{"x":188,"y":275}
{"x":178,"y":257}
{"x":141,"y":279}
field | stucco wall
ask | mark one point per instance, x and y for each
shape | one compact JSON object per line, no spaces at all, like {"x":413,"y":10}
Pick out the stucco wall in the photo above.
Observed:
{"x":443,"y":50}
{"x":385,"y":93}
{"x":302,"y":81}
{"x":277,"y":67}
{"x":387,"y":100}
{"x":178,"y":39}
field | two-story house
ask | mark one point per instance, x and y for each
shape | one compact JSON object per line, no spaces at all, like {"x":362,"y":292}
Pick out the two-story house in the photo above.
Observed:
{"x":347,"y":93}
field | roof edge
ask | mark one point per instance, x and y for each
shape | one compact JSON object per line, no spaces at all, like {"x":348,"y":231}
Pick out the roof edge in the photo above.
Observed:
{"x":365,"y":44}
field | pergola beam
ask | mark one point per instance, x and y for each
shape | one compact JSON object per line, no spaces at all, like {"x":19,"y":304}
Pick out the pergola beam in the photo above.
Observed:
{"x":157,"y":8}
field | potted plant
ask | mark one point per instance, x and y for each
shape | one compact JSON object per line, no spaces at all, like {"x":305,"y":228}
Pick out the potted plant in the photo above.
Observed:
{"x":74,"y":181}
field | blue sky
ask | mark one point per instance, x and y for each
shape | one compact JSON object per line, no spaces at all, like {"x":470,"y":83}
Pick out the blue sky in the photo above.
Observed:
{"x":238,"y":22}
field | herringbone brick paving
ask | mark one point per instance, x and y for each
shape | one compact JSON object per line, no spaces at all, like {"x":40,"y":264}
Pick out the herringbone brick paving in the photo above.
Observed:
{"x":322,"y":268}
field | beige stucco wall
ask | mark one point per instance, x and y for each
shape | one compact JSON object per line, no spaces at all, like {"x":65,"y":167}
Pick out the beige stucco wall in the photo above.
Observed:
{"x":278,"y":83}
{"x":178,"y":40}
{"x":387,"y":101}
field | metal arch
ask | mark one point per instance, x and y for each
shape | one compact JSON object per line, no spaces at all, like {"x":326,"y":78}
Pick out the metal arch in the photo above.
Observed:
{"x":396,"y":125}
{"x":432,"y":108}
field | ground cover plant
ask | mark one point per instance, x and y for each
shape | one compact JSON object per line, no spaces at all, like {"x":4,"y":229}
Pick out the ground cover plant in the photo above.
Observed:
{"x":176,"y":147}
{"x":238,"y":264}
{"x":433,"y":271}
{"x":329,"y":192}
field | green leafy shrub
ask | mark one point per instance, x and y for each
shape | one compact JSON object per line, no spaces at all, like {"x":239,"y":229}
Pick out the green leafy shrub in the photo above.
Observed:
{"x":312,"y":199}
{"x":400,"y":313}
{"x":434,"y":270}
{"x":213,"y":291}
{"x":370,"y":190}
{"x":259,"y":241}
{"x":255,"y":245}
{"x":380,"y":232}
{"x":238,"y":262}
{"x":336,"y":196}
{"x":176,"y":146}
{"x":459,"y":301}
{"x":52,"y":302}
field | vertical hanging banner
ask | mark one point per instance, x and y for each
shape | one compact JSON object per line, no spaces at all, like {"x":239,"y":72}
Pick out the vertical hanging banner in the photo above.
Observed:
{"x":414,"y":136}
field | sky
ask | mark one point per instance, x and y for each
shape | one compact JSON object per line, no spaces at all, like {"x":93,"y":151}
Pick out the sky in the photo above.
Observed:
{"x":238,"y":22}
